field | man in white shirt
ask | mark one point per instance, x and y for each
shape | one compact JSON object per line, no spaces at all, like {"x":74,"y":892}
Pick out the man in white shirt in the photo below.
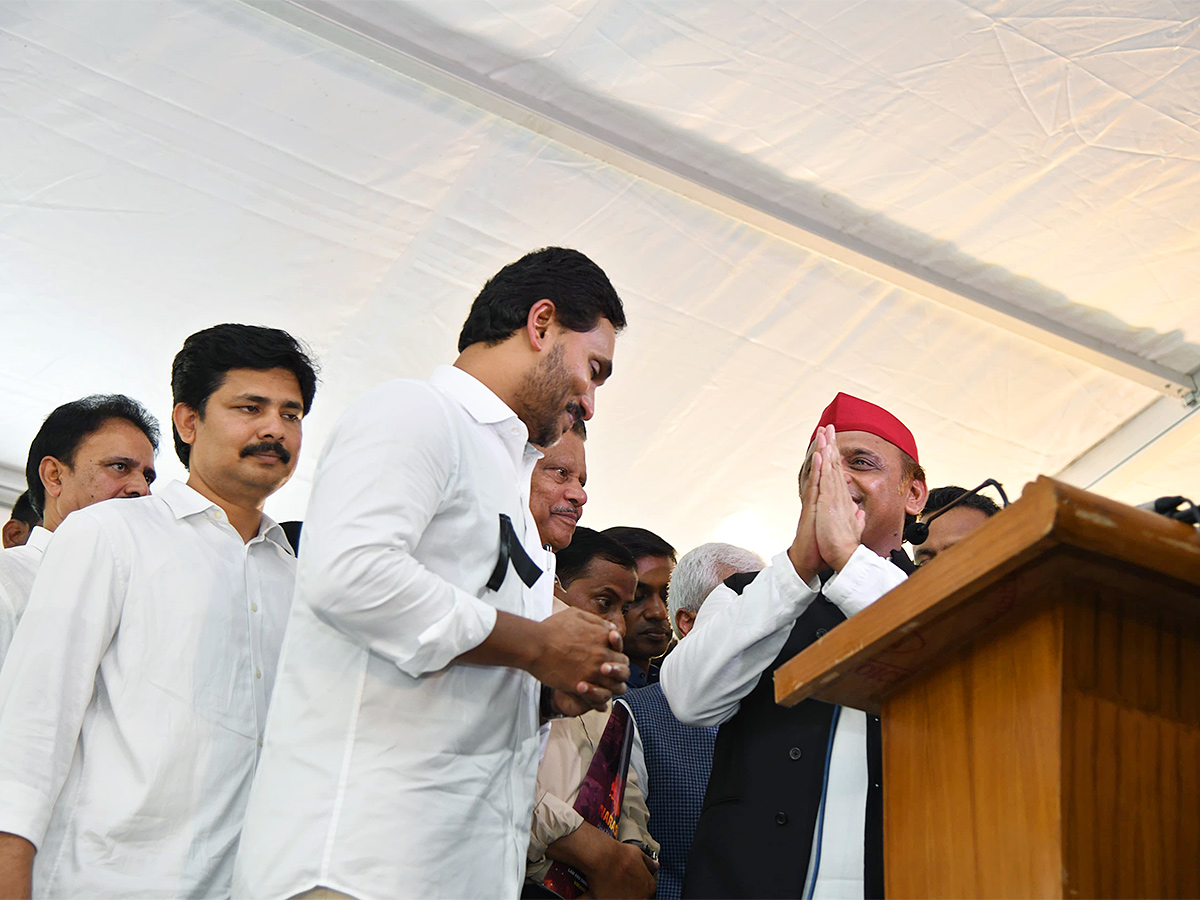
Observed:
{"x":88,"y":450}
{"x":402,"y":750}
{"x":135,"y":694}
{"x":762,"y":832}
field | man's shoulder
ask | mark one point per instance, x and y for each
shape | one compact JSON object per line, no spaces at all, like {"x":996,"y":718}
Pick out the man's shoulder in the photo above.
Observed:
{"x":120,"y":516}
{"x":409,"y":405}
{"x":18,"y":565}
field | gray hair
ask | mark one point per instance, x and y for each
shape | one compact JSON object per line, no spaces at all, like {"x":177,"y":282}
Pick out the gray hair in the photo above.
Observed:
{"x":700,"y":570}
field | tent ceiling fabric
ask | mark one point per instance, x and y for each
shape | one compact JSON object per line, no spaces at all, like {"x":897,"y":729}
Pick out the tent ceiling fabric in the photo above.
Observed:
{"x":173,"y":165}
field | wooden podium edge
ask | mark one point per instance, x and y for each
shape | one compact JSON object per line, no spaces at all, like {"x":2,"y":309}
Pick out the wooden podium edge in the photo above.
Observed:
{"x":845,"y":667}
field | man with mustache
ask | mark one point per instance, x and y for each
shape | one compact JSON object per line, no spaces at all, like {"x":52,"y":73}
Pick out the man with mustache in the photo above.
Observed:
{"x":404,"y":738}
{"x":92,"y":449}
{"x":647,"y":621}
{"x":556,"y":494}
{"x":133,"y":701}
{"x":776,"y":821}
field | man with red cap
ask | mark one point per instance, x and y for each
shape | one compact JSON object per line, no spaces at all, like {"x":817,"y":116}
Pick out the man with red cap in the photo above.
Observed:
{"x":794,"y":803}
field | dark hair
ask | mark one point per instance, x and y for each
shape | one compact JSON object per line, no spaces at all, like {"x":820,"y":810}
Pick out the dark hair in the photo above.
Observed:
{"x":572,"y":560}
{"x":69,"y":425}
{"x":23,"y":511}
{"x":200,"y":367}
{"x":640,"y":542}
{"x":939,"y":497}
{"x":581,"y":292}
{"x":579,"y":429}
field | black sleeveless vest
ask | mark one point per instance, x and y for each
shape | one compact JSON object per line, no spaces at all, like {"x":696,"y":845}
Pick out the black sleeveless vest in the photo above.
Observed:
{"x":756,"y":827}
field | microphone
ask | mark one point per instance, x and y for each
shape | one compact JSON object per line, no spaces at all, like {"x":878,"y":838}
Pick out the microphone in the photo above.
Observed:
{"x":1170,"y":507}
{"x":918,"y":532}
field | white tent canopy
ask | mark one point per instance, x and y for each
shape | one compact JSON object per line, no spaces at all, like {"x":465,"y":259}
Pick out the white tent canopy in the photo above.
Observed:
{"x":983,"y":216}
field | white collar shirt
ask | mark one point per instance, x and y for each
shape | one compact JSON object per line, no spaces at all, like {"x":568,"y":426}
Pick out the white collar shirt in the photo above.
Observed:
{"x":388,"y":771}
{"x":135,"y":695}
{"x":18,"y":566}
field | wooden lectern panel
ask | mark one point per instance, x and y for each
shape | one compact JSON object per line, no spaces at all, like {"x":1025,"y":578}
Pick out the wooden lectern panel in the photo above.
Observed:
{"x":1039,"y":685}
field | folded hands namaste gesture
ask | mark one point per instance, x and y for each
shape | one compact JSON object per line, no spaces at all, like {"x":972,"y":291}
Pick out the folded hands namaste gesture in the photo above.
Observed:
{"x":831,"y":523}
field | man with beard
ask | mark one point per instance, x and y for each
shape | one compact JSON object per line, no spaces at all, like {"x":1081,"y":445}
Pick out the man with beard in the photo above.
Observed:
{"x":404,"y":737}
{"x":776,"y":821}
{"x":647,"y":622}
{"x":556,"y":494}
{"x":135,"y":694}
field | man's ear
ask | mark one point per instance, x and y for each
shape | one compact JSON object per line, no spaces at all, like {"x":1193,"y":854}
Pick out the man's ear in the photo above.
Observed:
{"x":540,"y":324}
{"x":51,"y":470}
{"x":13,"y":533}
{"x":184,"y":419}
{"x":684,"y":620}
{"x":918,"y":493}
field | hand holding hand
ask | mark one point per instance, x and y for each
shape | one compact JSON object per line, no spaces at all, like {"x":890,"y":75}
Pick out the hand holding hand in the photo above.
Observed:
{"x":581,"y":660}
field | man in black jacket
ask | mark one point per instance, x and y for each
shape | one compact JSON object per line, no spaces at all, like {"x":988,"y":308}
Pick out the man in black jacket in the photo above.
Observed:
{"x":778,"y":821}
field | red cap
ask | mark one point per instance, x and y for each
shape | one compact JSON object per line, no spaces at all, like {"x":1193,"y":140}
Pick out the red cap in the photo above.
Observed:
{"x":848,"y":413}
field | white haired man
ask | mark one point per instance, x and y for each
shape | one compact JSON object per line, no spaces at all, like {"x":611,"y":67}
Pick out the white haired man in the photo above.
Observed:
{"x":673,"y":760}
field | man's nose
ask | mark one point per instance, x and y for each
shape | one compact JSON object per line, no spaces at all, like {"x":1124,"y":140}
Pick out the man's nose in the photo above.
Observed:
{"x":588,"y":403}
{"x":272,"y":426}
{"x":576,"y":494}
{"x":657,"y":608}
{"x":136,"y":485}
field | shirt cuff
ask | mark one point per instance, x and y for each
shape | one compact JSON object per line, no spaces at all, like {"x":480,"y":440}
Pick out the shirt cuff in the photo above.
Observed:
{"x":24,"y":811}
{"x":864,"y":579}
{"x":553,"y":819}
{"x":465,"y":628}
{"x":795,"y":593}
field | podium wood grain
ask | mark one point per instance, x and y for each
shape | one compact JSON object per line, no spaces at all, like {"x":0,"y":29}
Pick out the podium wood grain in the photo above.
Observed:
{"x":1040,"y":691}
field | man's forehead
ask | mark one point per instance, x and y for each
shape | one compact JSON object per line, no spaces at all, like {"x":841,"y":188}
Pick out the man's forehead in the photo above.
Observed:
{"x":851,"y":441}
{"x":567,"y":451}
{"x":259,"y":381}
{"x":604,"y":573}
{"x":115,"y":434}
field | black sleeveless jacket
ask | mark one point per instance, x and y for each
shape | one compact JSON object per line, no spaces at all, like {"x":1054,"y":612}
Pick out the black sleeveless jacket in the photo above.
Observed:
{"x":756,"y":827}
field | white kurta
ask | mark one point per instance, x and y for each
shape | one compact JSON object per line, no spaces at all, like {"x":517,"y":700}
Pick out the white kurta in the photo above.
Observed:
{"x":736,"y":637}
{"x":135,"y":694}
{"x":18,"y":567}
{"x":387,"y":771}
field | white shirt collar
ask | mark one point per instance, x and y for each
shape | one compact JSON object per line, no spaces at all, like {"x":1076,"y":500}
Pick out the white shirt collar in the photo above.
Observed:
{"x":186,"y":501}
{"x":484,"y":406}
{"x":38,"y":538}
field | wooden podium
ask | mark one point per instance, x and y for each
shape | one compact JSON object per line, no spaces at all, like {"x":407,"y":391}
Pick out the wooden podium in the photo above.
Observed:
{"x":1039,"y":685}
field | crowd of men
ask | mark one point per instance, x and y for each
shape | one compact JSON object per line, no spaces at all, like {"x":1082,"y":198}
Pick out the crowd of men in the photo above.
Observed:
{"x":406,"y":702}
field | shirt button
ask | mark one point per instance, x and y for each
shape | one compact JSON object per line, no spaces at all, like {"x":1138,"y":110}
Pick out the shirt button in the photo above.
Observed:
{"x":795,"y":753}
{"x":821,"y":632}
{"x":780,"y":818}
{"x":258,"y":673}
{"x":260,"y":742}
{"x":253,"y":607}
